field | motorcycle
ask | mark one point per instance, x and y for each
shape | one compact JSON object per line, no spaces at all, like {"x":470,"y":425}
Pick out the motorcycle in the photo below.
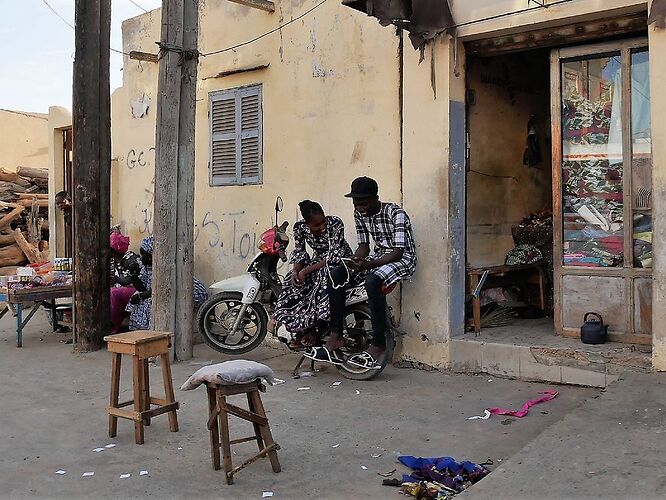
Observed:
{"x":235,"y":319}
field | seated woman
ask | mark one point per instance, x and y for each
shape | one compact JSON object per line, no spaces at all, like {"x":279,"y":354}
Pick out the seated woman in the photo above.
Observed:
{"x":141,"y":302}
{"x":125,"y":268}
{"x":303,"y":306}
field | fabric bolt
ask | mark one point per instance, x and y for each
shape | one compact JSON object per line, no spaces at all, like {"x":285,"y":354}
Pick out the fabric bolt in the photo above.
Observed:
{"x":524,"y":410}
{"x":391,"y":228}
{"x":523,"y":254}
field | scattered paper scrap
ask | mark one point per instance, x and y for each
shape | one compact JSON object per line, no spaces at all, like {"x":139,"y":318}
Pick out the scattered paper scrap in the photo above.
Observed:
{"x":60,"y":472}
{"x":97,"y":450}
{"x":143,"y":473}
{"x":485,"y":416}
{"x":267,"y":494}
{"x":303,"y":389}
{"x":278,"y":381}
{"x":358,"y":392}
{"x":335,"y":445}
{"x":364,"y":467}
{"x":490,"y":380}
{"x":125,"y":476}
{"x":335,"y":384}
{"x":388,"y":473}
{"x":376,"y":455}
{"x":180,"y":448}
{"x":110,"y":445}
{"x":88,"y":474}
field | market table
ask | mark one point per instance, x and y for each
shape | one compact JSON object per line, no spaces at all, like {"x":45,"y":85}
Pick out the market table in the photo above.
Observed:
{"x":15,"y":298}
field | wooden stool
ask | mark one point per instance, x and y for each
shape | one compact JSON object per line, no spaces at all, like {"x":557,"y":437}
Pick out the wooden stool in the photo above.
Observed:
{"x":218,"y":424}
{"x":141,"y":345}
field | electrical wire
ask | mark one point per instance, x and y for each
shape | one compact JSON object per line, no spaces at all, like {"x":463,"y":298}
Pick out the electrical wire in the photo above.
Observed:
{"x":136,"y":4}
{"x":71,"y":26}
{"x":267,"y":33}
{"x":507,"y":14}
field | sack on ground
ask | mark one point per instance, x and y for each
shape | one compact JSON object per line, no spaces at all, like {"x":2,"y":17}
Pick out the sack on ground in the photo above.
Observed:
{"x":238,"y":371}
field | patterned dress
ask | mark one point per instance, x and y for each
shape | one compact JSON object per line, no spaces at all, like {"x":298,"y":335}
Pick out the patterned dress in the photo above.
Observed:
{"x":301,"y":308}
{"x":139,"y":318}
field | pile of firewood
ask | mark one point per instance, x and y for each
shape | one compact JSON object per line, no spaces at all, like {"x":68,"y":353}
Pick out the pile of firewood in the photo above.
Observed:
{"x":24,"y":224}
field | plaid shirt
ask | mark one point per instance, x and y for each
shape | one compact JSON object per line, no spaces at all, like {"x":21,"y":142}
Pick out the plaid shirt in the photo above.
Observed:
{"x":390,"y":229}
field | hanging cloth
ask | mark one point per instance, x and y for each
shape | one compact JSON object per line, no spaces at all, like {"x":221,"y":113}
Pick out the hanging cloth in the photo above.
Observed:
{"x":532,"y":155}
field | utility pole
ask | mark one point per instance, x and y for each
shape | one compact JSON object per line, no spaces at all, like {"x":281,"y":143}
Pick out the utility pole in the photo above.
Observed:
{"x":91,"y":171}
{"x":173,"y":223}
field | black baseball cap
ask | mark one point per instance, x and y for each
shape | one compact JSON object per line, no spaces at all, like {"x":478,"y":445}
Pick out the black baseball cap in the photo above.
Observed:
{"x":363,"y":187}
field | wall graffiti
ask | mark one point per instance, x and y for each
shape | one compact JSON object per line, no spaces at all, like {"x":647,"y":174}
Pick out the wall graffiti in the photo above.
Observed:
{"x":139,"y":158}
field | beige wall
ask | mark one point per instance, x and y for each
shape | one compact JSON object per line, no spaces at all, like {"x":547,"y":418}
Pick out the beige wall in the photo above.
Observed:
{"x":24,"y":140}
{"x":329,"y":116}
{"x":58,"y":119}
{"x":500,"y":189}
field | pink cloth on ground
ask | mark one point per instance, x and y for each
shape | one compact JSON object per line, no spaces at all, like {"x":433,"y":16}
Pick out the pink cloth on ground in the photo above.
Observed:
{"x":547,"y":396}
{"x":120,"y":296}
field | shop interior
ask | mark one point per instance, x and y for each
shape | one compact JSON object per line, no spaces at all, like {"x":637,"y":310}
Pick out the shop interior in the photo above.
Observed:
{"x":509,"y":193}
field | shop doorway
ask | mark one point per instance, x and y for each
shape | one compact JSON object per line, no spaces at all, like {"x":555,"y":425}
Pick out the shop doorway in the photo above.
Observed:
{"x":559,"y":191}
{"x":509,"y":194}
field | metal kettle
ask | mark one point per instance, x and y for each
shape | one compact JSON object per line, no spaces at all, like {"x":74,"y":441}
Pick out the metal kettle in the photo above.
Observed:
{"x":593,"y":331}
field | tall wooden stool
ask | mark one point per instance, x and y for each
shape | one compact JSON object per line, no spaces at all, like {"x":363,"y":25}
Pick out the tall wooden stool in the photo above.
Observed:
{"x":141,"y":345}
{"x":218,"y":424}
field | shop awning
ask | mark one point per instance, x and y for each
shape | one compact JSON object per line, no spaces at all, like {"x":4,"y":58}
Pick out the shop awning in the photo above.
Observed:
{"x":423,"y":19}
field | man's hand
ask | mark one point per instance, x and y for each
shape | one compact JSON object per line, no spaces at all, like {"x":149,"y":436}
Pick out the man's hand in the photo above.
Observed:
{"x":135,"y":299}
{"x":302,"y":275}
{"x":359,"y":265}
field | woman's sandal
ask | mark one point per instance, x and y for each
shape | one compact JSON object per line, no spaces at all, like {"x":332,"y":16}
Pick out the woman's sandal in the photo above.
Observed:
{"x":364,"y":360}
{"x":323,"y":354}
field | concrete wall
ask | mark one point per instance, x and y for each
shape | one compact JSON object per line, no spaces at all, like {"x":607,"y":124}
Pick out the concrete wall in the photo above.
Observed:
{"x":24,"y":140}
{"x":500,"y":189}
{"x":657,"y":41}
{"x":59,"y":119}
{"x":330,"y":100}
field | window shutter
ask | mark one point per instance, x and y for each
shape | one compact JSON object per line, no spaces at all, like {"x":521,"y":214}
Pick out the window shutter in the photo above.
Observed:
{"x":250,"y":133}
{"x":223,"y":144}
{"x":236,"y":137}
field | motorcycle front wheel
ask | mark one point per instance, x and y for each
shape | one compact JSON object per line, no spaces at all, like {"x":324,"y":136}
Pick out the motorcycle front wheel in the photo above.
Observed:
{"x":358,"y":317}
{"x":217,"y":317}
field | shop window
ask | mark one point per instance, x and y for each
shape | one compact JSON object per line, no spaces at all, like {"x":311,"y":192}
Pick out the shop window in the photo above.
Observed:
{"x":236,"y":139}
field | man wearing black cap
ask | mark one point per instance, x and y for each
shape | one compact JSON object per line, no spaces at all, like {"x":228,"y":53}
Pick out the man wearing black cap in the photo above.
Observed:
{"x":393,"y":259}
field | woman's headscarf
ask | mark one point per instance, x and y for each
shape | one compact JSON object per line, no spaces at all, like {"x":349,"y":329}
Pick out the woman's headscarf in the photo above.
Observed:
{"x":147,"y":245}
{"x":120,"y":242}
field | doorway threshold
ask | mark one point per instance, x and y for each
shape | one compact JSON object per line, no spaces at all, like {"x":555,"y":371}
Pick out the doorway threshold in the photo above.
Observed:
{"x":530,"y":350}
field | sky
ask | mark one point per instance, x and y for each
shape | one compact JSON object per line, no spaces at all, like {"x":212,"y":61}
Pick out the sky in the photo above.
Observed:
{"x":39,"y":51}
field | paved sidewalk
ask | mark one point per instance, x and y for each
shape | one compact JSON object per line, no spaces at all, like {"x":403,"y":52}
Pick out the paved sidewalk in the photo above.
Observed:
{"x":53,"y":416}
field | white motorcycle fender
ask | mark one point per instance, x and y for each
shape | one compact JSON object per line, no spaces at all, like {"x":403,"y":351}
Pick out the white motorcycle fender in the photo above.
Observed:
{"x":246,"y":284}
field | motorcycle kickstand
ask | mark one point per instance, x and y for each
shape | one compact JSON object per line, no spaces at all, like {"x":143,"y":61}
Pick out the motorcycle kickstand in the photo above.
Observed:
{"x":313,"y":369}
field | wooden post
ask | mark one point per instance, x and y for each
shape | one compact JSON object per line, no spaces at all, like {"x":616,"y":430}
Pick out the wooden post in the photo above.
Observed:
{"x":173,"y":223}
{"x":91,"y":171}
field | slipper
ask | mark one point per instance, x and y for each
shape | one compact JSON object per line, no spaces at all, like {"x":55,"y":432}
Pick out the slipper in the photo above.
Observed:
{"x":323,"y":354}
{"x":364,"y":360}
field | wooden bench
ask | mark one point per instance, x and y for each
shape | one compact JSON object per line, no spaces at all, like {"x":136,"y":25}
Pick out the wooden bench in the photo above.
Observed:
{"x":141,"y":345}
{"x":479,"y":276}
{"x":218,"y":424}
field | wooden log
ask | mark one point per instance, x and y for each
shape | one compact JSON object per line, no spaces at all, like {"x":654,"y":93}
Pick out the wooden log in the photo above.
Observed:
{"x":8,"y":270}
{"x":11,"y":216}
{"x":42,"y":183}
{"x":22,"y":181}
{"x":30,"y":196}
{"x":11,"y":255}
{"x":29,"y":203}
{"x":33,"y":172}
{"x":30,"y":251}
{"x":11,"y":187}
{"x":7,"y":239}
{"x":8,"y":175}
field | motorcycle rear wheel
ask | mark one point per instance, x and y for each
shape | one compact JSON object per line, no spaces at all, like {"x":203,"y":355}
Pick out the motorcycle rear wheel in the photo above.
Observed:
{"x":216,"y":318}
{"x":358,"y":316}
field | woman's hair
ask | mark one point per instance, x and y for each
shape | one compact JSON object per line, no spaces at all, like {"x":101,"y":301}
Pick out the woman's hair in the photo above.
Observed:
{"x":310,"y":208}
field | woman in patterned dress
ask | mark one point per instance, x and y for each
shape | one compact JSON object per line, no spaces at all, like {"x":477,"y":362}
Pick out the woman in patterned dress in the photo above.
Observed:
{"x":303,"y":305}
